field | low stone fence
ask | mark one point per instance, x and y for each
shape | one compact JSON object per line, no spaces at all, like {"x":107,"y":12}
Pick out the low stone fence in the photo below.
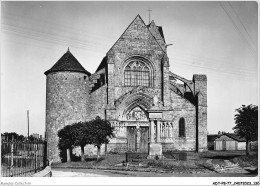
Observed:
{"x":44,"y":173}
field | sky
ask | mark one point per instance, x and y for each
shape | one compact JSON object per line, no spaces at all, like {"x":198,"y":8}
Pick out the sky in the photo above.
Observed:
{"x":218,"y":39}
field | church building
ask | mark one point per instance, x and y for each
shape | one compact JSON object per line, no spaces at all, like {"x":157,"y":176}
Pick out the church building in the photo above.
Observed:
{"x":152,"y":109}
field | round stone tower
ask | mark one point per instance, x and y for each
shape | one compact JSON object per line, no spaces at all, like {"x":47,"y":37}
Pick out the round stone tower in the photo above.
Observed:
{"x":67,"y":96}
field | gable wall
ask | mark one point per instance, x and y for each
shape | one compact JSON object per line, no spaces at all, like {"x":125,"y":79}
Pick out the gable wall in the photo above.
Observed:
{"x":136,"y":40}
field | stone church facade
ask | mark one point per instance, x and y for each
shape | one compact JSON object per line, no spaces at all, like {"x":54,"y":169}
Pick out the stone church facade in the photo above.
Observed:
{"x":134,"y":89}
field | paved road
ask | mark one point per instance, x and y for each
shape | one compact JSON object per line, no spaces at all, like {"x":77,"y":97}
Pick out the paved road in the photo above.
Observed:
{"x":71,"y":173}
{"x":114,"y":173}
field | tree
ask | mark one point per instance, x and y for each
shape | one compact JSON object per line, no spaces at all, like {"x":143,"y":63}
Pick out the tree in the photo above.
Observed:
{"x":100,"y":132}
{"x":21,"y":138}
{"x":247,"y":123}
{"x":66,"y":141}
{"x":32,"y":138}
{"x":95,"y":132}
{"x":9,"y":136}
{"x":81,"y":136}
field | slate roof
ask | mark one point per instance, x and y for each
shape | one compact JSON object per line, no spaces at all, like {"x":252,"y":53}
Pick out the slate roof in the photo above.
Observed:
{"x":212,"y":137}
{"x":102,"y":64}
{"x":161,"y":32}
{"x":67,"y":63}
{"x":235,"y":137}
{"x":232,"y":136}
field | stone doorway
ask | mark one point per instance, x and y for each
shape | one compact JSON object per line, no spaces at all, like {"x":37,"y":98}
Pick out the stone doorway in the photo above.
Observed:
{"x":144,"y":139}
{"x":131,"y":138}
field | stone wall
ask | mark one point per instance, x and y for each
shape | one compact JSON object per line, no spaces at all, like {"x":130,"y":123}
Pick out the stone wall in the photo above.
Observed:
{"x":89,"y":151}
{"x":165,"y":87}
{"x":117,"y":147}
{"x":181,"y":108}
{"x":66,"y":103}
{"x":200,"y":86}
{"x":98,"y":102}
{"x":137,"y":42}
{"x":97,"y":106}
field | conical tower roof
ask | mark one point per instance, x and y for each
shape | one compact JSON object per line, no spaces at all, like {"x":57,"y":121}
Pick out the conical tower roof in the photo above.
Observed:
{"x":67,"y":63}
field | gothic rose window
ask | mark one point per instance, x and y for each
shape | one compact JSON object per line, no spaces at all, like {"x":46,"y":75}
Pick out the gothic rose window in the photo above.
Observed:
{"x":182,"y":127}
{"x":137,"y":74}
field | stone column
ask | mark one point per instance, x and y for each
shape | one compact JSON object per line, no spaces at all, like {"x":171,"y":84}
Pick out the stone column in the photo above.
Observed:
{"x":200,"y":85}
{"x":155,"y":148}
{"x":138,"y":136}
{"x":158,"y":137}
{"x":152,"y":131}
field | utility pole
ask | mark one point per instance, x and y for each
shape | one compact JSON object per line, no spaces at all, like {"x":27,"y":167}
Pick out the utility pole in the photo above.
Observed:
{"x":28,"y":122}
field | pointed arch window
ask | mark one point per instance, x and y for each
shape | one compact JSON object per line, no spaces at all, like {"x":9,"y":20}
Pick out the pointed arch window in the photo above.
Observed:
{"x":181,"y":127}
{"x":128,"y":76}
{"x":146,"y":77}
{"x":137,"y":73}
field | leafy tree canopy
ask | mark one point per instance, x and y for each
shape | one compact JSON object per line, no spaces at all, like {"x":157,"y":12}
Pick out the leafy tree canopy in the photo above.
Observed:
{"x":101,"y":131}
{"x":80,"y":134}
{"x":65,"y":137}
{"x":13,"y":135}
{"x":246,"y":121}
{"x":32,"y":138}
{"x":95,"y":132}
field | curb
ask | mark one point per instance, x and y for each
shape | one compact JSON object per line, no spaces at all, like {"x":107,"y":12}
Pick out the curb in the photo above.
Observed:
{"x":44,"y":173}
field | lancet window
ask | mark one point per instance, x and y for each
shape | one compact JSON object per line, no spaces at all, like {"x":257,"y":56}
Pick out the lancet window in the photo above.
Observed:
{"x":181,"y":127}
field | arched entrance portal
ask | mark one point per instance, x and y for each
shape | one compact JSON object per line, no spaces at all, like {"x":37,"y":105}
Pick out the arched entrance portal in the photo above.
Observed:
{"x":137,"y":130}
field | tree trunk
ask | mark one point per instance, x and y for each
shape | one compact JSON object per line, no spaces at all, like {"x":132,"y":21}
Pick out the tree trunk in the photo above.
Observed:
{"x":82,"y":154}
{"x":98,"y":152}
{"x":68,"y":155}
{"x":247,"y":147}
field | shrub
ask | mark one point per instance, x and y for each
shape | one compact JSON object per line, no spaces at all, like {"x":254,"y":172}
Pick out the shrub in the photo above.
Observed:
{"x":100,"y":159}
{"x":165,"y":164}
{"x":113,"y":152}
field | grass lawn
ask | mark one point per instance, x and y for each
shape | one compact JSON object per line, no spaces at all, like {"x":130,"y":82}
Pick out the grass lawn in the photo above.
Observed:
{"x":233,"y":156}
{"x":108,"y":160}
{"x":195,"y":161}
